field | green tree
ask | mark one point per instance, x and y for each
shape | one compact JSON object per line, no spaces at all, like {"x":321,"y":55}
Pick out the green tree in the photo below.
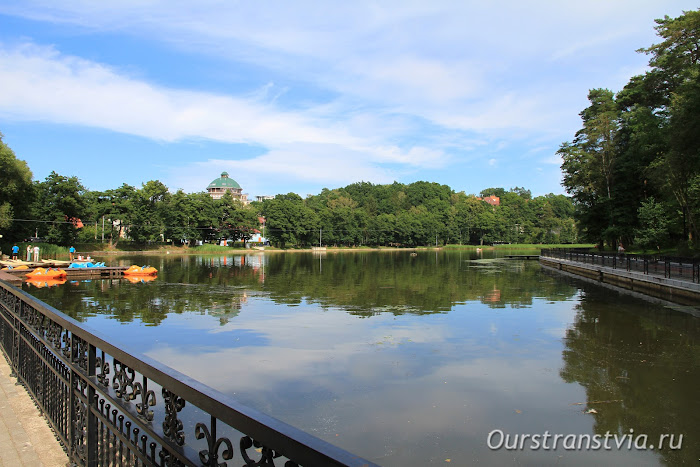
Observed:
{"x":588,"y":166}
{"x":15,"y":191}
{"x":148,"y":212}
{"x":290,"y":221}
{"x":119,"y":206}
{"x":60,"y":202}
{"x":237,"y":222}
{"x":654,"y":221}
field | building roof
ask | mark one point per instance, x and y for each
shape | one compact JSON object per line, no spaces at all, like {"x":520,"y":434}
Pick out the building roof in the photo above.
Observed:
{"x":224,"y":182}
{"x":492,"y":200}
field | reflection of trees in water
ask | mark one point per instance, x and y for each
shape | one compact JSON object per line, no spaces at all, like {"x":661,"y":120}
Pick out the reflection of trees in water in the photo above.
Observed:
{"x":363,"y":284}
{"x":646,"y":358}
{"x":369,"y":283}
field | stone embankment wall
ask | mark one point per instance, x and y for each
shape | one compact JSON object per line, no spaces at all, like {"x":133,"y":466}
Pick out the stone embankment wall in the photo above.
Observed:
{"x":680,"y":291}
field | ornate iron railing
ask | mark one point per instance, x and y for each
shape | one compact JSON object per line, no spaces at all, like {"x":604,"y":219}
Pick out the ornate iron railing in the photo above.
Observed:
{"x":111,"y":407}
{"x":670,"y":266}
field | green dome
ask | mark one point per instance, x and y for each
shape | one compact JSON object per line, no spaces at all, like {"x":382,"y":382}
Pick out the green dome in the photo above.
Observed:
{"x":224,"y":182}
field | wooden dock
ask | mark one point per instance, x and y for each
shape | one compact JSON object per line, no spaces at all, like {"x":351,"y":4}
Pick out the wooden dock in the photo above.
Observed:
{"x":15,"y":276}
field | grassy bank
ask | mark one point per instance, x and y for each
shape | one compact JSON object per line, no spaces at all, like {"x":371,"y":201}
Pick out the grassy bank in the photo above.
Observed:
{"x":209,"y":248}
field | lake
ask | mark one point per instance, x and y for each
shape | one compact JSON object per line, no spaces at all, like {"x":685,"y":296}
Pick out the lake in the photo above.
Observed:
{"x":443,"y":357}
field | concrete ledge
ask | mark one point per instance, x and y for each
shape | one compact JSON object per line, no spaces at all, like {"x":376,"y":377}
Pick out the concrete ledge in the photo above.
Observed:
{"x":14,"y":280}
{"x":675,"y":290}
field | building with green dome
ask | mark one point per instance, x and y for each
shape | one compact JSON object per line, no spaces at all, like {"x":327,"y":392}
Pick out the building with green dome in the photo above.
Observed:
{"x":222,"y":185}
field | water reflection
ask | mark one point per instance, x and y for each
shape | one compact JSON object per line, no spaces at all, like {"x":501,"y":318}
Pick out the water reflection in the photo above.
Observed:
{"x":639,"y":368}
{"x":450,"y":346}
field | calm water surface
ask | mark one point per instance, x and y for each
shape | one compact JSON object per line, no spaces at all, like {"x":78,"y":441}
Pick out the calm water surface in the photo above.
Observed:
{"x":414,"y":360}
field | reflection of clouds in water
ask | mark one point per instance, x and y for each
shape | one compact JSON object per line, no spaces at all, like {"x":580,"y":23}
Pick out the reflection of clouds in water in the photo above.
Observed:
{"x":304,"y":342}
{"x":397,"y":389}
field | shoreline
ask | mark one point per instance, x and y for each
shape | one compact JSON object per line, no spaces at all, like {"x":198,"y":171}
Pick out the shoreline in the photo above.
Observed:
{"x":178,"y":250}
{"x":195,"y":251}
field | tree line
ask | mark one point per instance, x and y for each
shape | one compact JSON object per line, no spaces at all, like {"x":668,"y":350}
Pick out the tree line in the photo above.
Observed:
{"x":62,"y":211}
{"x":633,"y":169}
{"x":417,"y":214}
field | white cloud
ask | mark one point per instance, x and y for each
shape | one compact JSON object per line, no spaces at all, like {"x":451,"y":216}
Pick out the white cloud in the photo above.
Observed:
{"x":554,"y":159}
{"x":298,"y":165}
{"x":40,"y":84}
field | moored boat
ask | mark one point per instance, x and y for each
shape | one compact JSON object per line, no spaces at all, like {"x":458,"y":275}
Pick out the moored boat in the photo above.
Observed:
{"x":50,"y":273}
{"x":135,"y":270}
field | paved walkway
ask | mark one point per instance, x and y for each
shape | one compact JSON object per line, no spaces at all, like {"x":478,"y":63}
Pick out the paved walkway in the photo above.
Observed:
{"x":25,"y":436}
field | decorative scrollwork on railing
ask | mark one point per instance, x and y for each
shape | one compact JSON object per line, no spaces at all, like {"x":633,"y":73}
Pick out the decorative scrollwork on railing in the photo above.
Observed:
{"x":21,"y":309}
{"x":123,"y":381}
{"x":16,"y":305}
{"x":80,"y":387}
{"x":80,"y":352}
{"x":267,"y":455}
{"x":148,"y":398}
{"x":53,"y":334}
{"x":167,"y":459}
{"x":172,"y":426}
{"x":32,"y":317}
{"x":80,"y":421}
{"x":103,"y":366}
{"x":210,"y":456}
{"x":66,"y":348}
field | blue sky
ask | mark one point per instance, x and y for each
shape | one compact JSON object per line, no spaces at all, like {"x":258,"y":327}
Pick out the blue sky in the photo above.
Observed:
{"x":298,"y":96}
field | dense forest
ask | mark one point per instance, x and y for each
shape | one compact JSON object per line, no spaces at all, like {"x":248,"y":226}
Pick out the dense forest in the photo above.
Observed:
{"x":61,"y":211}
{"x":633,"y":169}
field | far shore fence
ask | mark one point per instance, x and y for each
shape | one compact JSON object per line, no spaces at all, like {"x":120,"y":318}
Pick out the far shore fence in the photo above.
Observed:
{"x":672,"y":267}
{"x":108,"y":406}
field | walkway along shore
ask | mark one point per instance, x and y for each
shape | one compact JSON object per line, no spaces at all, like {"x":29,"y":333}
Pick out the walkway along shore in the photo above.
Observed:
{"x":25,"y":436}
{"x":680,"y":290}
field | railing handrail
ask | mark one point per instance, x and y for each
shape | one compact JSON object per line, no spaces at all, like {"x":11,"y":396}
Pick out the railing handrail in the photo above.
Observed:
{"x":303,"y":448}
{"x":683,"y":259}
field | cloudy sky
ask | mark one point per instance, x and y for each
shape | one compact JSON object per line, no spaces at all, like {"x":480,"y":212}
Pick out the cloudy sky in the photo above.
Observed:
{"x":301,"y":95}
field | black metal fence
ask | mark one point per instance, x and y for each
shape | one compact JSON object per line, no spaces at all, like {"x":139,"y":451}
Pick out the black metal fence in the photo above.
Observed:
{"x":675,"y":267}
{"x":110,"y":407}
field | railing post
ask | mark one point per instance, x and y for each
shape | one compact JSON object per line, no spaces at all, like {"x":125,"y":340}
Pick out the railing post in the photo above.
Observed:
{"x":91,"y":417}
{"x":72,"y":432}
{"x":14,"y":353}
{"x":667,"y":268}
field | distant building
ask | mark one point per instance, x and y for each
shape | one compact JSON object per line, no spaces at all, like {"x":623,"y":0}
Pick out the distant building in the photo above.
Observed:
{"x":261,"y":198}
{"x":77,"y":223}
{"x":492,"y":200}
{"x":222,"y":185}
